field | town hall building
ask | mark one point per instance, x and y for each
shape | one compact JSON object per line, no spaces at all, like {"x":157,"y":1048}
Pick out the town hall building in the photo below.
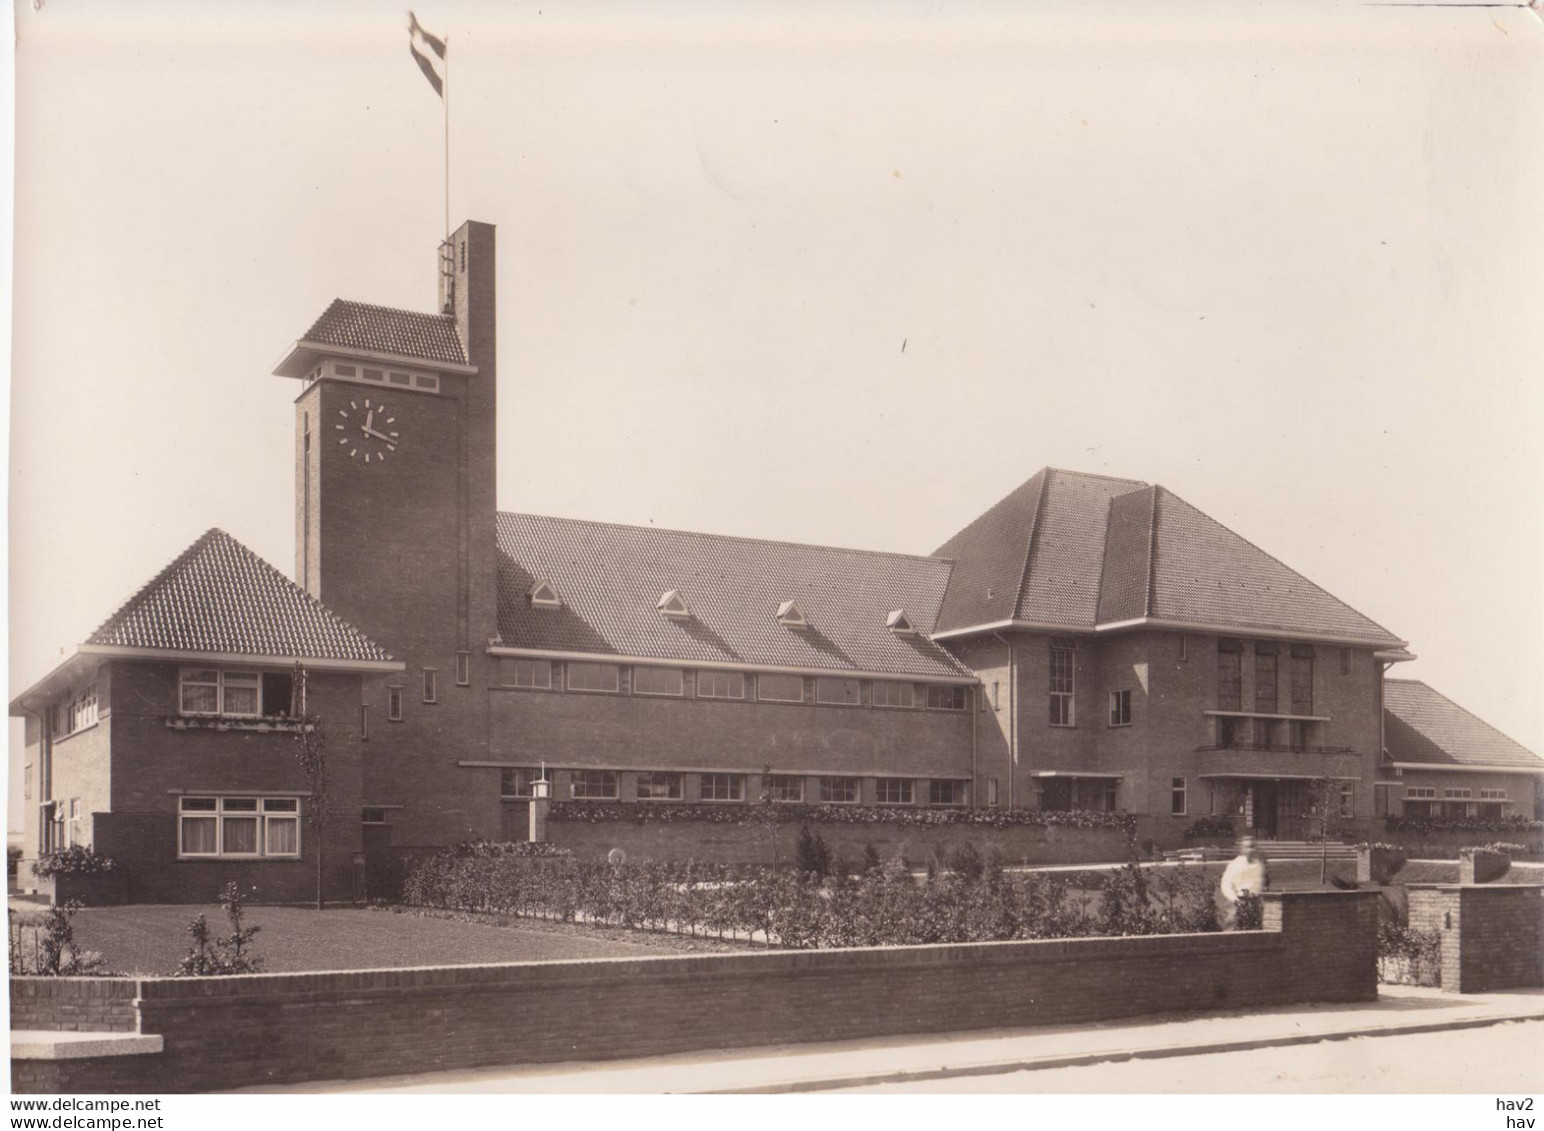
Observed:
{"x":1086,"y":643}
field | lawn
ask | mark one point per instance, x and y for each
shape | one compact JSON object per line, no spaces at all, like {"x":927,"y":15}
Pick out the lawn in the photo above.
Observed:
{"x":153,"y":939}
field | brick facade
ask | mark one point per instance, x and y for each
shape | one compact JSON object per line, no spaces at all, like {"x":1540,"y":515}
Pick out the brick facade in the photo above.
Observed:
{"x":231,"y":1032}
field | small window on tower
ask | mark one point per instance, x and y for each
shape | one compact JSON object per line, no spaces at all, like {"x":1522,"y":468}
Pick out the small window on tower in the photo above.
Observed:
{"x":394,"y":704}
{"x":431,"y":684}
{"x":463,"y":668}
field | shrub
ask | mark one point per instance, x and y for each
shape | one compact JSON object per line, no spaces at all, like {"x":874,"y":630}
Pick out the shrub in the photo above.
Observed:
{"x":1251,"y":912}
{"x":1515,"y":823}
{"x":54,"y":952}
{"x":1211,"y":827}
{"x":812,"y":856}
{"x":77,"y":860}
{"x":1409,"y":956}
{"x":973,"y":902}
{"x":224,"y":955}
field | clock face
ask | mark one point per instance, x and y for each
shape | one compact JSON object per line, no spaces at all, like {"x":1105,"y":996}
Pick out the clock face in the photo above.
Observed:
{"x":367,"y":430}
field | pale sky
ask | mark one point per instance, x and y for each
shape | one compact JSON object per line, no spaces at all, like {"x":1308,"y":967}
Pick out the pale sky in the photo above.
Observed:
{"x":1280,"y":258}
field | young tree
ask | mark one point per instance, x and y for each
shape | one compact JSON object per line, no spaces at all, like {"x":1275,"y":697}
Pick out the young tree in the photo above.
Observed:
{"x":311,"y":753}
{"x":1322,"y":808}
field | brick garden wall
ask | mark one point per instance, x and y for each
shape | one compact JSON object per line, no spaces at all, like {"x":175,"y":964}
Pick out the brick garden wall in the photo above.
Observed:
{"x":230,"y":1032}
{"x":1492,"y":934}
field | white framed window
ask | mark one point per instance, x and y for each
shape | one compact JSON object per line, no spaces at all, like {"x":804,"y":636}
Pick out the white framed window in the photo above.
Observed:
{"x":1458,"y":794}
{"x":838,"y":791}
{"x":516,"y":781}
{"x":895,"y":791}
{"x":657,"y":785}
{"x":364,"y":722}
{"x":249,"y":827}
{"x":836,"y":691}
{"x":431,"y":685}
{"x":1421,"y":792}
{"x":722,"y":787}
{"x":943,"y":791}
{"x":72,"y":825}
{"x":775,"y":688}
{"x":889,"y":693}
{"x":595,"y":785}
{"x":720,"y":685}
{"x":1492,"y":795}
{"x":785,"y":787}
{"x":658,"y":681}
{"x":1178,"y":800}
{"x":77,"y":714}
{"x":991,"y":793}
{"x":533,"y":675}
{"x":214,"y":691}
{"x":1347,"y":800}
{"x":394,"y":704}
{"x":1120,"y":708}
{"x":1184,"y":647}
{"x":947,"y":697}
{"x":1063,"y":681}
{"x":595,"y":677}
{"x":463,"y":669}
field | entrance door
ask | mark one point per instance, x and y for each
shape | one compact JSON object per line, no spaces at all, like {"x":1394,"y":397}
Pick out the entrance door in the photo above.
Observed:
{"x":1265,"y":799}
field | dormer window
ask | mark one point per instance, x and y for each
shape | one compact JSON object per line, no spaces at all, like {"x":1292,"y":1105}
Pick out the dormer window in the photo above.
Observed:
{"x":790,"y":614}
{"x":899,"y":623}
{"x":672,"y":604}
{"x":544,"y":596}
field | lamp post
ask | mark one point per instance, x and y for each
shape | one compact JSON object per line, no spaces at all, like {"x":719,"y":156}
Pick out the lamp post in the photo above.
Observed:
{"x":541,"y":801}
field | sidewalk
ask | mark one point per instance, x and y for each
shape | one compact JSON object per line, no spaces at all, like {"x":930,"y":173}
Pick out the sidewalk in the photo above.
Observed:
{"x":815,"y":1067}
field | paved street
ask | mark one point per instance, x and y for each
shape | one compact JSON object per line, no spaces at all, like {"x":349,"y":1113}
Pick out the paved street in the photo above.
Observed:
{"x":1506,"y":1059}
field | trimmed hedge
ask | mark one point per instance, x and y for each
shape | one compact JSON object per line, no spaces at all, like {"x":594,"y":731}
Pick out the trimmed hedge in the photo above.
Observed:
{"x":885,"y":906}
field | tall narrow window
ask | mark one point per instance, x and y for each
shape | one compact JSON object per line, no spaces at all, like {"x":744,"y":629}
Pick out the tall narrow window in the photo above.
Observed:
{"x":364,"y":722}
{"x":1302,"y":679}
{"x":431,"y":683}
{"x":1265,"y":678}
{"x":1230,"y":675}
{"x":1177,"y":796}
{"x":394,"y":704}
{"x":1063,"y":679}
{"x":1120,"y":708}
{"x":991,"y":793}
{"x":463,"y":668}
{"x":1345,"y":661}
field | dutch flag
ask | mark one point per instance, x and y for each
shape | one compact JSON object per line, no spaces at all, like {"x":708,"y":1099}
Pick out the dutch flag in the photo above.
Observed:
{"x":421,"y":45}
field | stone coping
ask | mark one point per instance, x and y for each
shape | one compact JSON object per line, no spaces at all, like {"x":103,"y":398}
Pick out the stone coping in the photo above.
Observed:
{"x":46,"y":1044}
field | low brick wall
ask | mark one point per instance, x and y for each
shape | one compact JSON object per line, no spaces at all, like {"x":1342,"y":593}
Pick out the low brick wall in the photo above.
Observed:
{"x":751,"y":844}
{"x":1492,"y":934}
{"x":270,"y":1028}
{"x":86,"y":1005}
{"x":1444,"y":844}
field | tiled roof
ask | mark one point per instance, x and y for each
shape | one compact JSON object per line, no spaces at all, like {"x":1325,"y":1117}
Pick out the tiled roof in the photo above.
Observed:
{"x":611,"y":577}
{"x":218,"y":596}
{"x":1424,"y":726}
{"x":1204,"y":573}
{"x":1035,"y":555}
{"x":989,"y":557}
{"x":382,"y":329}
{"x":1084,"y":550}
{"x":1062,"y":583}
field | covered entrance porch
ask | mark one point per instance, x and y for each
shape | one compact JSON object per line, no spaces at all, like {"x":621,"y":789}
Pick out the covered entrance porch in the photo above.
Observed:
{"x":1280,"y":807}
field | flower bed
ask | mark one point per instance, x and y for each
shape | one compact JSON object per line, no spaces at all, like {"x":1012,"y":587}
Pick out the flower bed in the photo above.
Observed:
{"x":885,"y":906}
{"x":800,"y":813}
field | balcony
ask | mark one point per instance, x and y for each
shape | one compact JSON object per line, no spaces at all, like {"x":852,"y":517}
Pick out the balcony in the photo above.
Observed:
{"x":1275,"y":760}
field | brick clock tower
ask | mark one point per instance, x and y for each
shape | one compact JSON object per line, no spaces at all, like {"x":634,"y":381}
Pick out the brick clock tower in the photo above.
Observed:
{"x":395,"y":463}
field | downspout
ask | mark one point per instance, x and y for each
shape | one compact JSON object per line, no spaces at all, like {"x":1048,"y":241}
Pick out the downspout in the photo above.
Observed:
{"x":1013,"y":714}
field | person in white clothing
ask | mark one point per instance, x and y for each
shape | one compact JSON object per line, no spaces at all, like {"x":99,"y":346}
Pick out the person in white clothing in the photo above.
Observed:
{"x":1244,"y":875}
